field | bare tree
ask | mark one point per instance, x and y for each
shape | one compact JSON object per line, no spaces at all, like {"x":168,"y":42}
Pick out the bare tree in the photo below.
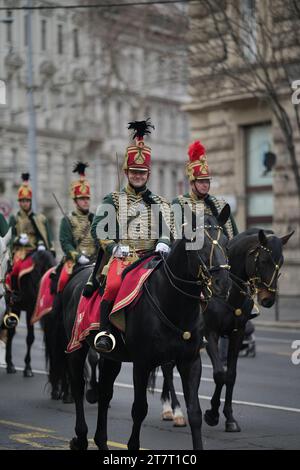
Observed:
{"x":250,"y":48}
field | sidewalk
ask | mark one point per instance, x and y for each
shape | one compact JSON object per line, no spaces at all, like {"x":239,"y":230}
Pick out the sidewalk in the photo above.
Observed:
{"x":288,"y":314}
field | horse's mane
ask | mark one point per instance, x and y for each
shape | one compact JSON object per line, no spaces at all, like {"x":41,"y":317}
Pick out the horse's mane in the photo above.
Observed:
{"x":250,"y":233}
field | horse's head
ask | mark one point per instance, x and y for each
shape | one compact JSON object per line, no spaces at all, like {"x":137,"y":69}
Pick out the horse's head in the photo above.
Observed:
{"x":4,"y":257}
{"x":211,"y":261}
{"x":263,"y":265}
{"x":44,"y":260}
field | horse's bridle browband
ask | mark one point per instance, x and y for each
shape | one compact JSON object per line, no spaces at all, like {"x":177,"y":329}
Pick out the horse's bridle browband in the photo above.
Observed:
{"x":256,"y":280}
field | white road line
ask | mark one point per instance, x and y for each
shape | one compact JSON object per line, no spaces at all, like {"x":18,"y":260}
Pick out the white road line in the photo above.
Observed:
{"x":203,"y":397}
{"x":275,"y":340}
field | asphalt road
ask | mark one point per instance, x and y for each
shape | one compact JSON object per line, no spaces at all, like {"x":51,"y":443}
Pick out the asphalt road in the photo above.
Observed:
{"x":266,"y":404}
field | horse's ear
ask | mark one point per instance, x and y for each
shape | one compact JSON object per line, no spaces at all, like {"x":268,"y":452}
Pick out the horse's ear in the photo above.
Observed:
{"x":224,"y":215}
{"x":7,"y":237}
{"x":262,"y":238}
{"x":286,"y":238}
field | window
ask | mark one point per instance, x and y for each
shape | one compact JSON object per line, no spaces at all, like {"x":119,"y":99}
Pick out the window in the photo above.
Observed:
{"x":60,"y":44}
{"x":76,"y":43}
{"x":26,"y":26}
{"x":249,"y":29}
{"x":9,"y":23}
{"x":43,"y":35}
{"x":259,"y":181}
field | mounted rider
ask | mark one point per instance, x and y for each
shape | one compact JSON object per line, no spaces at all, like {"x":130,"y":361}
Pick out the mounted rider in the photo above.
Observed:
{"x":199,"y":177}
{"x":76,"y":241}
{"x":30,"y":232}
{"x":133,"y":209}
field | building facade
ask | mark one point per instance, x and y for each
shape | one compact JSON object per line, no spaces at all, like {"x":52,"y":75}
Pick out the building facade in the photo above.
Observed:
{"x":93,"y":72}
{"x":244,"y":58}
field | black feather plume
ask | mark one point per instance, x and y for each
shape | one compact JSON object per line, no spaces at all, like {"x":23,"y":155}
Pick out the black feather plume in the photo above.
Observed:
{"x":80,"y":167}
{"x":25,"y":176}
{"x":140,"y":128}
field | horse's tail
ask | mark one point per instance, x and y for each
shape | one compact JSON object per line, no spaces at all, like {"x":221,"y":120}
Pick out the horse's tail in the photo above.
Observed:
{"x":152,"y":380}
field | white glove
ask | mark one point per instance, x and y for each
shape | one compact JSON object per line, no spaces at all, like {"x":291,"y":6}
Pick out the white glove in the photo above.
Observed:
{"x":23,"y":239}
{"x":83,"y":260}
{"x":162,"y":248}
{"x":41,"y":247}
{"x":120,"y":251}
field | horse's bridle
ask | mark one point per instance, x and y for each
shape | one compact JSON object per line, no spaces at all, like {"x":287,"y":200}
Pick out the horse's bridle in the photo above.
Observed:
{"x":256,"y":281}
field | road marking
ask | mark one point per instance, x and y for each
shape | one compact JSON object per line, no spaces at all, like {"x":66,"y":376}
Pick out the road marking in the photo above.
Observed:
{"x":42,"y":433}
{"x":237,"y":402}
{"x":274,"y":340}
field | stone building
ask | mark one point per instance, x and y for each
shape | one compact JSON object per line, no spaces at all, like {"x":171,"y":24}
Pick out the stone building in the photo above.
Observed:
{"x":243,"y":60}
{"x":93,"y":72}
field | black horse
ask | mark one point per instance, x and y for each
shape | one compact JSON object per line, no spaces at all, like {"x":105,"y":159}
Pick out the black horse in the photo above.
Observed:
{"x":255,"y":258}
{"x":156,"y":333}
{"x":29,"y":284}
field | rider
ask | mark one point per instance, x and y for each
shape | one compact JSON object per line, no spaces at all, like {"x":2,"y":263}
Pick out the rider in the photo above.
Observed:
{"x":76,"y":241}
{"x":199,"y":176}
{"x":30,"y":232}
{"x":141,"y":238}
{"x":3,"y":225}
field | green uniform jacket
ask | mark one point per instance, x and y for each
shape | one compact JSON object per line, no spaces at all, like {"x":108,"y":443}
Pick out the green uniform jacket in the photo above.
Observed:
{"x":40,"y":227}
{"x":3,"y":225}
{"x":213,"y":206}
{"x":69,"y":244}
{"x":112,"y":199}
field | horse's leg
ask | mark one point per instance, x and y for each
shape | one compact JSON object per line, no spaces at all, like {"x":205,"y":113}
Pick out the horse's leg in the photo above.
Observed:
{"x":190,"y":373}
{"x":29,"y":341}
{"x":76,"y":361}
{"x":178,"y":417}
{"x":235,"y":342}
{"x":211,"y":416}
{"x":108,"y":372}
{"x":140,"y":406}
{"x":167,"y":412}
{"x":10,"y":367}
{"x":92,"y":393}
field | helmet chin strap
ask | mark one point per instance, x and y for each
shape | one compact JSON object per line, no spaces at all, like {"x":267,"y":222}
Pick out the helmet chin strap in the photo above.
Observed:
{"x":195,"y":190}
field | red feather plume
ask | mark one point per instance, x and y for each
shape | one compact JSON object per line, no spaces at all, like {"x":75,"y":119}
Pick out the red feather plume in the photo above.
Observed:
{"x":196,"y":151}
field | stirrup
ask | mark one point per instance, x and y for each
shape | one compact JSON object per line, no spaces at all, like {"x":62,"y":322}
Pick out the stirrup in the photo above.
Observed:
{"x":108,"y":335}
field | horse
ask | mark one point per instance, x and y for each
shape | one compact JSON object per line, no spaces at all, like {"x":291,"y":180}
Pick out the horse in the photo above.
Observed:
{"x":29,"y":284}
{"x":4,"y":258}
{"x":255,"y":258}
{"x":156,"y":333}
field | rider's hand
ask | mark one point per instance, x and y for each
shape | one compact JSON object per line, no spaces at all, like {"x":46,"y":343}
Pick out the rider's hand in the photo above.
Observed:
{"x":23,"y":239}
{"x":121,"y":251}
{"x":83,"y":260}
{"x":41,"y":247}
{"x":162,"y":248}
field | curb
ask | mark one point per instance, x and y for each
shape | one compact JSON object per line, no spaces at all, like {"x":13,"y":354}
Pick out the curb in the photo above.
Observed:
{"x":293,"y":325}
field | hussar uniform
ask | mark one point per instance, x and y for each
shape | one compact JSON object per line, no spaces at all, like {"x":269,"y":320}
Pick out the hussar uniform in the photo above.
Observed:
{"x":30,"y":232}
{"x":197,"y":169}
{"x":136,"y":226}
{"x":75,"y":237}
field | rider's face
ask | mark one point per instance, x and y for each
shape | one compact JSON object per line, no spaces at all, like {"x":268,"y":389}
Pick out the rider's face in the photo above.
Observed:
{"x":137,"y":178}
{"x":25,"y":204}
{"x":201,"y":186}
{"x":83,"y":203}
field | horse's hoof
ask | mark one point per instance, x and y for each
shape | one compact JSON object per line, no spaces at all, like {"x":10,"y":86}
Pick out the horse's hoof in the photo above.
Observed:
{"x":179,"y":421}
{"x":91,"y":396}
{"x":67,"y":398}
{"x":232,"y":426}
{"x":210,"y":418}
{"x":11,"y":369}
{"x":167,"y":416}
{"x":28,"y":372}
{"x":75,"y":445}
{"x":55,"y":395}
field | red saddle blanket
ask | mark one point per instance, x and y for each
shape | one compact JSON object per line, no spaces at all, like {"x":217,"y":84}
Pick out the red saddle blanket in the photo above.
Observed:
{"x":88,"y":316}
{"x":45,"y":299}
{"x":19,"y":269}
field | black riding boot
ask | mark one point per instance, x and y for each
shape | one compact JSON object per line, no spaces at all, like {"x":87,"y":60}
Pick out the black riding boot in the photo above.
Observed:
{"x":104,"y":340}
